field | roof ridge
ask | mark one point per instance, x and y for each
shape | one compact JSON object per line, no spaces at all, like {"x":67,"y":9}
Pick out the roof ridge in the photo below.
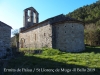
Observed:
{"x":5,"y":24}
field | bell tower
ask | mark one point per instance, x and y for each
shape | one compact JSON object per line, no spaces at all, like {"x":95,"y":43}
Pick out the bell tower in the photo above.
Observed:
{"x":30,"y":16}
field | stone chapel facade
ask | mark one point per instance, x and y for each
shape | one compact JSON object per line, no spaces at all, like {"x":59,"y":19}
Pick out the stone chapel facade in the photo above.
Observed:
{"x":60,"y":32}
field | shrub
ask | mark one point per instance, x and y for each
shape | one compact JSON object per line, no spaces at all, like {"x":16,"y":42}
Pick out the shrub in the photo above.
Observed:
{"x":51,"y":52}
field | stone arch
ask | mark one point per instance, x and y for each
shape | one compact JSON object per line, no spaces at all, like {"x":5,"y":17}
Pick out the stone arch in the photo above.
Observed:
{"x":22,"y":42}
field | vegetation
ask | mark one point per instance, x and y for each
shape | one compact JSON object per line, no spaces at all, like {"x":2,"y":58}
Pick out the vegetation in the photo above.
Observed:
{"x":88,"y":13}
{"x":89,"y":60}
{"x":92,"y":36}
{"x":15,"y":38}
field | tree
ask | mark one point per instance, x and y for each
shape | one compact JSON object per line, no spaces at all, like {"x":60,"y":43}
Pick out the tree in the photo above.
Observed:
{"x":16,"y":37}
{"x":16,"y":34}
{"x":89,"y":13}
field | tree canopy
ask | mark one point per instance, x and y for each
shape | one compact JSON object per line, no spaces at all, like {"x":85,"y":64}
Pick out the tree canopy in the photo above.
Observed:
{"x":88,"y":13}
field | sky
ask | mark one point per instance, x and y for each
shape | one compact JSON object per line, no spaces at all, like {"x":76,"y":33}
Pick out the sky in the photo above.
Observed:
{"x":11,"y":11}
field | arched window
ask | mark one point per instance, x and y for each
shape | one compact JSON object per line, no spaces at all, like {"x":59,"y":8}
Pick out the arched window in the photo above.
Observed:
{"x":35,"y":37}
{"x":44,"y":34}
{"x":22,"y":41}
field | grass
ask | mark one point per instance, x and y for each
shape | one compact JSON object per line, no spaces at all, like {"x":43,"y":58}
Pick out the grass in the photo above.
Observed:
{"x":23,"y":49}
{"x":89,"y":60}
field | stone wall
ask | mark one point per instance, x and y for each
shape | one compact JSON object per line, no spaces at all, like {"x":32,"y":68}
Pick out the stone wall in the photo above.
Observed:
{"x":69,"y":37}
{"x":37,"y":37}
{"x":64,"y":36}
{"x":5,"y":40}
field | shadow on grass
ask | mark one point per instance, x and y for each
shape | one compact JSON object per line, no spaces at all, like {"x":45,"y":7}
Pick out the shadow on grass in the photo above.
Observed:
{"x":43,"y":66}
{"x":89,"y":49}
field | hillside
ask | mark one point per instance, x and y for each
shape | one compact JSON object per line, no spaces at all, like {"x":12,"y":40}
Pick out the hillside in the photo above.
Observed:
{"x":88,"y":13}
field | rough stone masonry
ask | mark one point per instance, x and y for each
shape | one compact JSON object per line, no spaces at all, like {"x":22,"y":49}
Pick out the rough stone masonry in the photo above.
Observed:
{"x":5,"y":38}
{"x":60,"y":32}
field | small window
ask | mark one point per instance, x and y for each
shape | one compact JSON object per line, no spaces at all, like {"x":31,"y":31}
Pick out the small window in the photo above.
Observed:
{"x":35,"y":36}
{"x":44,"y":34}
{"x":65,"y":31}
{"x":72,"y":26}
{"x":65,"y":26}
{"x":24,"y":40}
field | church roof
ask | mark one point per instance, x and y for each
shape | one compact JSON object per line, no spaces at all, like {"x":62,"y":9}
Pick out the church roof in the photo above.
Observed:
{"x":53,"y":20}
{"x":62,"y":17}
{"x":5,"y":24}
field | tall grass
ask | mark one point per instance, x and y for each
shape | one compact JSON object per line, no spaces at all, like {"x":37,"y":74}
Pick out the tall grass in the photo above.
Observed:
{"x":53,"y":58}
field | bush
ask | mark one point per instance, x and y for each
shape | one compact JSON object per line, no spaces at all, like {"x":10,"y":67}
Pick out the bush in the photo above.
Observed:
{"x":92,"y":37}
{"x":51,"y":52}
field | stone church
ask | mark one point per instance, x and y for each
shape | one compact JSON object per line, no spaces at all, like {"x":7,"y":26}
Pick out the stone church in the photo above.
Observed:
{"x":5,"y":39}
{"x":60,"y":32}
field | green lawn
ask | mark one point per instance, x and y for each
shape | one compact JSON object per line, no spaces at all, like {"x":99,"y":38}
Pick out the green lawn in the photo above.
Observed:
{"x":55,"y":62}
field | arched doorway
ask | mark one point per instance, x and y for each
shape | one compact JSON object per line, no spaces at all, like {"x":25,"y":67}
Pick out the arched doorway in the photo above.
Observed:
{"x":22,"y":43}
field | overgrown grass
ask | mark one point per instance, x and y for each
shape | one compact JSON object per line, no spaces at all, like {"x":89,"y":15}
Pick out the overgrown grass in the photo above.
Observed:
{"x":53,"y":58}
{"x":51,"y":52}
